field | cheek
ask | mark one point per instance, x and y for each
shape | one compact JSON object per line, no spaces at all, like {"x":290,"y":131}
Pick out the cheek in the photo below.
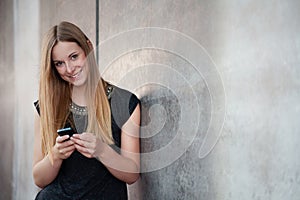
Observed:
{"x":82,"y":60}
{"x":82,"y":63}
{"x":60,"y":71}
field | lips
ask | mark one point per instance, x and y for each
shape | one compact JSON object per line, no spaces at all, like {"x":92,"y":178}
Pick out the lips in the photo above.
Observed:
{"x":75,"y":75}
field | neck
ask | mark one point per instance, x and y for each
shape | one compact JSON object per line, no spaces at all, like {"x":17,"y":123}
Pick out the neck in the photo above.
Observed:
{"x":78,"y":96}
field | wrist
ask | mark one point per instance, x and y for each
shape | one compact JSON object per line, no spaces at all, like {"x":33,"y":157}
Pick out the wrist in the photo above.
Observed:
{"x":100,"y":150}
{"x":54,"y":159}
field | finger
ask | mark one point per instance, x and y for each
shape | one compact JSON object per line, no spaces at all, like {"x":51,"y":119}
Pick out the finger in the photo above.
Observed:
{"x":61,"y":139}
{"x":81,"y":149}
{"x":77,"y":136}
{"x":83,"y":137}
{"x":68,"y":143}
{"x":65,"y":152}
{"x":65,"y":144}
{"x":80,"y":138}
{"x":77,"y":141}
{"x":87,"y":137}
{"x":69,"y":148}
{"x":84,"y":151}
{"x":68,"y":154}
{"x":85,"y":144}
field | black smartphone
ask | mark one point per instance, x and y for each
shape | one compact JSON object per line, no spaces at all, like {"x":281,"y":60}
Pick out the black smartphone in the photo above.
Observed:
{"x":65,"y":131}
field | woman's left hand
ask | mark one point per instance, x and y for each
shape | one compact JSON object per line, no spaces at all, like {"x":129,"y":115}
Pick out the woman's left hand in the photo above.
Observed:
{"x":87,"y":144}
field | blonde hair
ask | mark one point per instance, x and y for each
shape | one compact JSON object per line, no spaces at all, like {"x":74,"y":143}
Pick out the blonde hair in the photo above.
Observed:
{"x":55,"y":93}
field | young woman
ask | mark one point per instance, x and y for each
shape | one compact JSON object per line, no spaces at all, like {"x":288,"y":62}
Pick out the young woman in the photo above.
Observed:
{"x":102,"y":155}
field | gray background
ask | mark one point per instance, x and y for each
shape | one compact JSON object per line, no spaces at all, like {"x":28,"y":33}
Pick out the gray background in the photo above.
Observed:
{"x":205,"y":60}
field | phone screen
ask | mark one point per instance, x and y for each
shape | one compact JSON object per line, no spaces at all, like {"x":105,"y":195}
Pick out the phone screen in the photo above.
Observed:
{"x":65,"y":131}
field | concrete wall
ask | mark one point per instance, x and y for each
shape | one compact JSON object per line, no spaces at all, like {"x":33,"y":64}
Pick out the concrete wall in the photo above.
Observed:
{"x":218,"y":83}
{"x":31,"y":20}
{"x":82,"y":13}
{"x":26,"y":62}
{"x":7,"y":97}
{"x":255,"y":48}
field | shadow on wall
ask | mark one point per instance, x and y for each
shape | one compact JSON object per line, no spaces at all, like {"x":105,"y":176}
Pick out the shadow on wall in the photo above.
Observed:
{"x":176,"y":114}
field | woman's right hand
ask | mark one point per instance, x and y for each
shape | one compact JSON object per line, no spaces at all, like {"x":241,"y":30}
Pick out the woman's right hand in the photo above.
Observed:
{"x":46,"y":167}
{"x":63,"y":148}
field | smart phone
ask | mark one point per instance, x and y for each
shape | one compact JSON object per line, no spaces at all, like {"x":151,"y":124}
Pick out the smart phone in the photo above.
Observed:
{"x":65,"y":131}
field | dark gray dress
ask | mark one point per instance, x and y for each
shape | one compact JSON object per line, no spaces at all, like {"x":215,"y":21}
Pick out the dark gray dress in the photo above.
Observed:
{"x":86,"y":178}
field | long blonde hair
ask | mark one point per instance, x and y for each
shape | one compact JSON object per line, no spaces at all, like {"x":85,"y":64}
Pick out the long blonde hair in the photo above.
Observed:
{"x":55,"y":93}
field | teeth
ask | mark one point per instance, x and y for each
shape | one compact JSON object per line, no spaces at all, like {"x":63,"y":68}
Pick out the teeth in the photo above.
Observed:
{"x":74,"y":76}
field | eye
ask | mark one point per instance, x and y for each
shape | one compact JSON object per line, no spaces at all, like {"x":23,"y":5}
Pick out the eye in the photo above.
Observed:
{"x":73,"y":57}
{"x":58,"y":63}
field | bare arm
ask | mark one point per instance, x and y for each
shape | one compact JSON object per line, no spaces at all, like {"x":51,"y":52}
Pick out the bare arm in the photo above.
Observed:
{"x":124,"y":166}
{"x":46,"y":168}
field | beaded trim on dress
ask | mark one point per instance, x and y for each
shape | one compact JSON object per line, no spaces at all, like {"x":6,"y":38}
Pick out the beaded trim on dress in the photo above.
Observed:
{"x":79,"y":110}
{"x":109,"y":91}
{"x":82,"y":110}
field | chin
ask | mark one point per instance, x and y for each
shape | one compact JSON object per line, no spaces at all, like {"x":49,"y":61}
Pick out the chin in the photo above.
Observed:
{"x":79,"y":84}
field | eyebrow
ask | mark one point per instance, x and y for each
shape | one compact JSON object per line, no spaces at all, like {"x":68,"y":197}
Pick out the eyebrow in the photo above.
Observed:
{"x":69,"y":56}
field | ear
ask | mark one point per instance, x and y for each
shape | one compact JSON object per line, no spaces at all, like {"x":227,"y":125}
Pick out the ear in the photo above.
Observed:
{"x":90,"y":44}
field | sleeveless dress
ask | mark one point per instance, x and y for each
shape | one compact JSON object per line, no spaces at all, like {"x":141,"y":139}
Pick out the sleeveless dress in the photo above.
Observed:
{"x":82,"y":178}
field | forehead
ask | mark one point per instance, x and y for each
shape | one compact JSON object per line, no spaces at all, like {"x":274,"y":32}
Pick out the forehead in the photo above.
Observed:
{"x":63,"y":50}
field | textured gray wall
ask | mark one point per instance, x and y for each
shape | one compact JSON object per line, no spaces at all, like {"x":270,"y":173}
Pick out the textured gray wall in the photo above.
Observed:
{"x":82,"y":13}
{"x":191,"y":63}
{"x":24,"y":22}
{"x":26,"y":61}
{"x":255,"y":46}
{"x":6,"y":98}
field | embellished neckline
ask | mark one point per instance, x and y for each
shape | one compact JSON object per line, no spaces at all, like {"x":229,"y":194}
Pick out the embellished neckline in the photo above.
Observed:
{"x":109,"y":91}
{"x":76,"y":109}
{"x":82,"y":110}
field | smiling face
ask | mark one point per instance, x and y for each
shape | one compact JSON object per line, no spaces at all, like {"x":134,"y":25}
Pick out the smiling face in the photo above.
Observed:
{"x":70,"y":62}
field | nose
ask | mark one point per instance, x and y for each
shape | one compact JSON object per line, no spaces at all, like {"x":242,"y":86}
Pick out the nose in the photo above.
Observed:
{"x":70,"y":67}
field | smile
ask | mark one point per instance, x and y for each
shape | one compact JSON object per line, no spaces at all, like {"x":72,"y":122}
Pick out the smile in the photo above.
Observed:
{"x":76,"y":75}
